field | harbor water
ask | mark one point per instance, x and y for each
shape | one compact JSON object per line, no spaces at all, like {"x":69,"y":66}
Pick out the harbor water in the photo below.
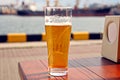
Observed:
{"x":35,"y":24}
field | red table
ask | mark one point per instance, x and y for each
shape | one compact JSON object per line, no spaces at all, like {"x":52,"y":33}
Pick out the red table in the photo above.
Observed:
{"x":94,"y":68}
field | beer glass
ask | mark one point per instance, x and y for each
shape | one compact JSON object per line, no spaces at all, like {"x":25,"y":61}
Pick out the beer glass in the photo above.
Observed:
{"x":58,"y":29}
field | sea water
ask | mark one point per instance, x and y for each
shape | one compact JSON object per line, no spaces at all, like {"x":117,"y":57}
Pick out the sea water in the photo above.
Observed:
{"x":35,"y":24}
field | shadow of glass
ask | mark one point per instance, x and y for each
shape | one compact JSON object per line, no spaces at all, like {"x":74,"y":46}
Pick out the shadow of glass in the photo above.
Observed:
{"x":94,"y":61}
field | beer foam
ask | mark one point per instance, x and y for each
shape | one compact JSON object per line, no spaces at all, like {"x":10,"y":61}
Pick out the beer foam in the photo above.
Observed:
{"x":58,"y":20}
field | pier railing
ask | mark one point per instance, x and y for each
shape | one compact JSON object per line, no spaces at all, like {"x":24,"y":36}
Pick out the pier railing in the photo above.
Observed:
{"x":23,"y":37}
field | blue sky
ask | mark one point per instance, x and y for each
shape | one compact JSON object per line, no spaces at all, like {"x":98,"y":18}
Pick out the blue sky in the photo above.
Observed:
{"x":41,"y":3}
{"x":71,"y":3}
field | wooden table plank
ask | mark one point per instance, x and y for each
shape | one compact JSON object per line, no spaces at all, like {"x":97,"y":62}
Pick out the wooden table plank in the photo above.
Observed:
{"x":102,"y":67}
{"x":95,"y":68}
{"x":37,"y":70}
{"x":90,"y":75}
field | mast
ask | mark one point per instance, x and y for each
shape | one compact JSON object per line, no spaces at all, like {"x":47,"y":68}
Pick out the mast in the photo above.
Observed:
{"x":47,"y":3}
{"x":77,"y":4}
{"x":86,"y":4}
{"x":56,"y":3}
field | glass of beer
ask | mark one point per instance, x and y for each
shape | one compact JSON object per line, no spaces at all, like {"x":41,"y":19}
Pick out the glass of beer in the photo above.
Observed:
{"x":58,"y":31}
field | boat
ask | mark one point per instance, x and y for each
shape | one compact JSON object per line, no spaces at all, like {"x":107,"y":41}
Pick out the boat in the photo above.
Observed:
{"x":30,"y":13}
{"x":91,"y":12}
{"x":75,"y":12}
{"x":30,"y":10}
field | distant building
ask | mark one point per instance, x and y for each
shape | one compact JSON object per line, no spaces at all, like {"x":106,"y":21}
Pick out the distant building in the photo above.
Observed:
{"x":115,"y":10}
{"x":30,"y":6}
{"x":97,"y":5}
{"x":7,"y":9}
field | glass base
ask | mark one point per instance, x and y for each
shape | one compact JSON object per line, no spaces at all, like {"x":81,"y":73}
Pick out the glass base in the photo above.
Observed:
{"x":58,"y":71}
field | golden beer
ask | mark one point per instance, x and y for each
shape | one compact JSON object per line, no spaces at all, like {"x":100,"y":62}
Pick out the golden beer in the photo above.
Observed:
{"x":58,"y":39}
{"x":58,"y":31}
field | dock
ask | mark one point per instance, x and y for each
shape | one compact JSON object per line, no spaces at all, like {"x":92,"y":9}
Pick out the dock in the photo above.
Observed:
{"x":13,"y":53}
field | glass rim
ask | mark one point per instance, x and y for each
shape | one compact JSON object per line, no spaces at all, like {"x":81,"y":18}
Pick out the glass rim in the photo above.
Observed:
{"x":59,"y":7}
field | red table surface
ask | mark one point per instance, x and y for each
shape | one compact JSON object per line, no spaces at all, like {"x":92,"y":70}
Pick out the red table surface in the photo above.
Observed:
{"x":95,"y":68}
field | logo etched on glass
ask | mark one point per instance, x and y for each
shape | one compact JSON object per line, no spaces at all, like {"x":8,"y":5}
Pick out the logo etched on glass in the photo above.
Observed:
{"x":57,"y":20}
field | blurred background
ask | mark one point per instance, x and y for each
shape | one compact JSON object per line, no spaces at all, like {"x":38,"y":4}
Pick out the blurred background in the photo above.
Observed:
{"x":27,"y":16}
